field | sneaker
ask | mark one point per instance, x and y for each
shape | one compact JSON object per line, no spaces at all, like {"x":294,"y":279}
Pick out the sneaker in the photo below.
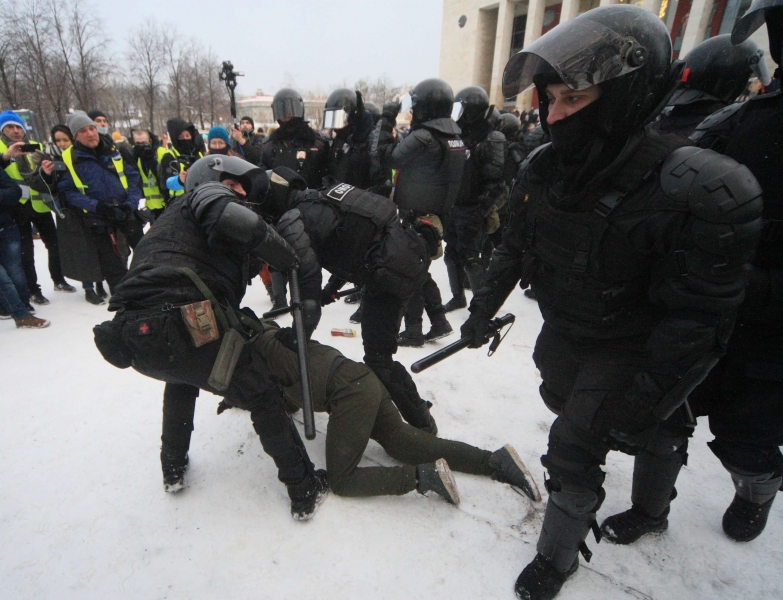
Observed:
{"x":4,"y":314}
{"x":455,"y":303}
{"x":31,"y":322}
{"x":93,"y":298}
{"x":744,"y":521}
{"x":353,"y":298}
{"x":436,"y":477}
{"x":357,"y":316}
{"x":509,"y":468}
{"x":541,"y":581}
{"x":411,"y":338}
{"x":64,"y":287}
{"x":173,"y":472}
{"x":38,"y":298}
{"x":307,"y":496}
{"x":100,"y":290}
{"x":439,"y":330}
{"x":627,"y":527}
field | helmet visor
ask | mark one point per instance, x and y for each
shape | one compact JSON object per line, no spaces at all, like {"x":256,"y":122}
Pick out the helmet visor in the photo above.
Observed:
{"x":582,"y":52}
{"x":335,"y":119}
{"x":751,"y":20}
{"x":456,"y":111}
{"x":759,"y":67}
{"x":406,"y":103}
{"x":287,"y":108}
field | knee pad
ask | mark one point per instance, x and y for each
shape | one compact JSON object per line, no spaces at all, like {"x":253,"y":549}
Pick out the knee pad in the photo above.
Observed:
{"x":755,"y":487}
{"x":576,"y":501}
{"x":552,"y":401}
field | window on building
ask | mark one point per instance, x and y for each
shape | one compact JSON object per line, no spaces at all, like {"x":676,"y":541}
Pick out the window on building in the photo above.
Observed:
{"x":518,"y":34}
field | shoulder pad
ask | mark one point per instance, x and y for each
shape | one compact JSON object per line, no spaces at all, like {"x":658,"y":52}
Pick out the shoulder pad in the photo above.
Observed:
{"x":716,"y":118}
{"x":532,"y":157}
{"x":715,"y":187}
{"x":288,"y":219}
{"x":496,"y":136}
{"x":206,"y":194}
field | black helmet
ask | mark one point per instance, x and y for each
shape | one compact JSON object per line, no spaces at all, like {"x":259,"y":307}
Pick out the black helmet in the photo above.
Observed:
{"x":508,"y":125}
{"x":623,"y":48}
{"x":759,"y":11}
{"x":718,"y":68}
{"x":340,"y":105}
{"x":373,"y":109}
{"x":215,"y":168}
{"x":470,"y":105}
{"x":430,"y":99}
{"x":288,"y":104}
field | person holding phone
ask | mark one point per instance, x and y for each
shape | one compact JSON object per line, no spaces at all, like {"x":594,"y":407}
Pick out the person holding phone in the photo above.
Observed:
{"x":15,"y":147}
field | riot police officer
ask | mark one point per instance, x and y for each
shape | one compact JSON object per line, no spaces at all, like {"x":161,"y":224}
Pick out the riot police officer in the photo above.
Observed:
{"x":357,"y":236}
{"x":482,"y":186}
{"x":178,"y":320}
{"x":294,"y":144}
{"x":636,"y":258}
{"x":429,"y":164}
{"x":349,"y":155}
{"x":716,"y":72}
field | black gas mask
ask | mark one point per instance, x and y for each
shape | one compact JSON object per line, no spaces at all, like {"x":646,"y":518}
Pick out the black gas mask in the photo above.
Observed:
{"x":143,"y":150}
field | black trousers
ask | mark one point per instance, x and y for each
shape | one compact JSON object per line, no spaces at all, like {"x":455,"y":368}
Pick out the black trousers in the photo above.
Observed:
{"x":162,"y":349}
{"x":428,"y":298}
{"x":112,"y":264}
{"x":26,"y":216}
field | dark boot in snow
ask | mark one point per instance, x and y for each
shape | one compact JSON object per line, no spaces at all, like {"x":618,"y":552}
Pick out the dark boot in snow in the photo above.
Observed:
{"x":356,"y":317}
{"x":412,"y":337}
{"x":627,"y":527}
{"x":436,"y":477}
{"x":174,"y":468}
{"x":307,"y":495}
{"x":510,"y":469}
{"x":744,"y":521}
{"x":440,"y":327}
{"x":541,"y":581}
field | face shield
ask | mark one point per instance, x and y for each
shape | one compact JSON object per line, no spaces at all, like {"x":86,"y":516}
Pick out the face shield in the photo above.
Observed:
{"x":335,"y":119}
{"x":759,"y":67}
{"x":752,"y":19}
{"x":406,"y":103}
{"x":287,"y":108}
{"x":456,"y":111}
{"x":582,"y":52}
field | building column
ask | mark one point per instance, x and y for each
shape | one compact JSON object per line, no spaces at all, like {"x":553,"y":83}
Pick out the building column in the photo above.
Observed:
{"x":608,"y":2}
{"x":535,"y":23}
{"x":698,"y":20}
{"x":569,"y":10}
{"x":654,"y":6}
{"x":502,"y":50}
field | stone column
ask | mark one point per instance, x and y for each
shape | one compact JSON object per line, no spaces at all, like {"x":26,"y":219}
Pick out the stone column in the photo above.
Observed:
{"x":608,"y":2}
{"x":502,"y":49}
{"x":653,"y":6}
{"x":569,"y":10}
{"x":535,"y":23}
{"x":698,"y":20}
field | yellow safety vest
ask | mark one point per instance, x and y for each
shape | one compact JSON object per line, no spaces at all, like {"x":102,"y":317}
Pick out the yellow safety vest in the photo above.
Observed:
{"x":68,"y":160}
{"x":153,"y":199}
{"x":174,"y":152}
{"x":13,"y":170}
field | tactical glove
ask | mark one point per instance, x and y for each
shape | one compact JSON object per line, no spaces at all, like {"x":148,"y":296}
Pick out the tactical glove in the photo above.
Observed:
{"x":111,"y":212}
{"x":476,"y":329}
{"x":329,"y":292}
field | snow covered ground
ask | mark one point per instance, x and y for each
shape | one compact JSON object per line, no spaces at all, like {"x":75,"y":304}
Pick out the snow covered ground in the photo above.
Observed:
{"x":83,"y":513}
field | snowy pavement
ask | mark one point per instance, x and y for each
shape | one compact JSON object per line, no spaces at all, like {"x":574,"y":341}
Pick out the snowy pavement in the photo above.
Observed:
{"x":83,"y":513}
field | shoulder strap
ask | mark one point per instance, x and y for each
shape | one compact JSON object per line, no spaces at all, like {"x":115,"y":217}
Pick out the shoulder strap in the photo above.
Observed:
{"x":202,"y":287}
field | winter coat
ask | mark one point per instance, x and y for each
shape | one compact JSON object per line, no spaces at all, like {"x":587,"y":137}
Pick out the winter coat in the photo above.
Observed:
{"x":10,"y":193}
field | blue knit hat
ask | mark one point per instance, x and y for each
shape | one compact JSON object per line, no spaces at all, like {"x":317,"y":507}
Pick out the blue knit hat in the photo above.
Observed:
{"x":219,"y":133}
{"x":9,"y":116}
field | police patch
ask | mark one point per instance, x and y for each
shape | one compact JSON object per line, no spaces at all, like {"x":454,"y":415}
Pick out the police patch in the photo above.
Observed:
{"x":456,"y":144}
{"x":339,"y":191}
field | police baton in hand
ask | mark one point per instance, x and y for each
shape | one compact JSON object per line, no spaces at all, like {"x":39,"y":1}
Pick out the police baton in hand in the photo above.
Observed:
{"x":495,"y":327}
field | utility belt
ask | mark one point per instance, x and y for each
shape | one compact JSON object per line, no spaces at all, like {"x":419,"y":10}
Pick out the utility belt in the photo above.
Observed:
{"x":201,"y":322}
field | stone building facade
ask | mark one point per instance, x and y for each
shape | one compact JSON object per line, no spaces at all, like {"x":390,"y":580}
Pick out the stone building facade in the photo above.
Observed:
{"x":479,"y":36}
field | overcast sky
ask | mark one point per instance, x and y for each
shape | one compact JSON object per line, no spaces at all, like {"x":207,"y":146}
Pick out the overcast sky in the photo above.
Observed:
{"x":319,"y":42}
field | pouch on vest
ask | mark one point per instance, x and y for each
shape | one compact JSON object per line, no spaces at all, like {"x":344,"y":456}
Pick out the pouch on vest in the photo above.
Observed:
{"x":108,"y":340}
{"x":402,"y":262}
{"x":226,"y":361}
{"x":199,"y":319}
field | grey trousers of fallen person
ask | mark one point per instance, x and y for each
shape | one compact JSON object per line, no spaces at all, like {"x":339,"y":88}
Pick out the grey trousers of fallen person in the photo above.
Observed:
{"x":361,"y":409}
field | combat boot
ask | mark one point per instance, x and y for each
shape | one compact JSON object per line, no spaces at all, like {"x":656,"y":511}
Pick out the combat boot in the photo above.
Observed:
{"x":541,"y":581}
{"x":356,"y":317}
{"x":412,"y":337}
{"x":307,"y":495}
{"x":436,"y":477}
{"x":746,"y":516}
{"x":440,"y":327}
{"x":456,"y":275}
{"x":627,"y":527}
{"x":174,"y":467}
{"x":509,"y":468}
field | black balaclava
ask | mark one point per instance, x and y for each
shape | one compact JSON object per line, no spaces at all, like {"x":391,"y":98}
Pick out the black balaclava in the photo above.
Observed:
{"x":223,"y":151}
{"x":577,"y":131}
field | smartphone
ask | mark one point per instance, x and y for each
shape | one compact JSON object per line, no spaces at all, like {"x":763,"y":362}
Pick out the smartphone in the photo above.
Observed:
{"x":28,"y":148}
{"x":236,"y":126}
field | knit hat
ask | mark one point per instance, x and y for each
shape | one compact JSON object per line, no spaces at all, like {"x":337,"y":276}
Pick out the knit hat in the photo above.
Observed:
{"x":8,"y":116}
{"x":94,"y":114}
{"x":77,"y":120}
{"x":218,"y":132}
{"x":116,"y":136}
{"x":62,"y":129}
{"x":252,"y":122}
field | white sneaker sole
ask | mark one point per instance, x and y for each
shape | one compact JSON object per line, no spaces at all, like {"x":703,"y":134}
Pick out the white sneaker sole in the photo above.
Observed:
{"x":442,"y":468}
{"x":521,"y":465}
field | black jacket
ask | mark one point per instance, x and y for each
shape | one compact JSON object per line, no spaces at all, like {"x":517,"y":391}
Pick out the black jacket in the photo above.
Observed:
{"x":296,"y":146}
{"x":349,"y":156}
{"x":10,"y":193}
{"x":483,"y":179}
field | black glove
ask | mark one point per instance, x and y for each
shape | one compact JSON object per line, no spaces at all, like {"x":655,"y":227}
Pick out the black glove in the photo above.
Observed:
{"x":329,"y":292}
{"x":476,"y":329}
{"x":430,"y":235}
{"x":287,"y":337}
{"x":145,"y":215}
{"x":111,"y":212}
{"x":391,"y":110}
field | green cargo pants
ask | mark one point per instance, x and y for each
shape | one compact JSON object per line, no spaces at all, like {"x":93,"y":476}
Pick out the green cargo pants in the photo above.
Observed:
{"x":361,"y":409}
